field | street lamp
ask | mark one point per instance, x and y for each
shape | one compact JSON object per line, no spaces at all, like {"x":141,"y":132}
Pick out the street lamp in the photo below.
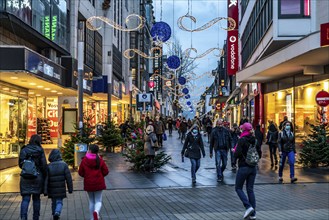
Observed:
{"x":80,"y":74}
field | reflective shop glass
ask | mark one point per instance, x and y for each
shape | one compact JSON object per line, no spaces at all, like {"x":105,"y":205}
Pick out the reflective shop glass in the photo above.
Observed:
{"x":20,"y":8}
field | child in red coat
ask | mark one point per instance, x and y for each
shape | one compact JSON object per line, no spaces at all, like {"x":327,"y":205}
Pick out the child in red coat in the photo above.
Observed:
{"x":93,"y":169}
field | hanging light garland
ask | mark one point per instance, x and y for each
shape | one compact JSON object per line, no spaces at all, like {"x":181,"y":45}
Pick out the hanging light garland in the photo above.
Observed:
{"x":187,"y":52}
{"x":140,"y":25}
{"x":230,"y":21}
{"x":127,"y":53}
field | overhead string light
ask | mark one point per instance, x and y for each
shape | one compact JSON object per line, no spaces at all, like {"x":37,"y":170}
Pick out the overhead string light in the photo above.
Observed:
{"x":231,"y":23}
{"x":127,"y":53}
{"x":188,"y":51}
{"x":141,"y":23}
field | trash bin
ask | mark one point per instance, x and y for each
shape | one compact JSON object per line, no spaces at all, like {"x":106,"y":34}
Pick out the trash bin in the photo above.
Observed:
{"x":80,"y":150}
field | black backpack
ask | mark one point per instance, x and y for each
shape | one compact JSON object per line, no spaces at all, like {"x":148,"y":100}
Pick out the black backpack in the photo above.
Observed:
{"x":29,"y":170}
{"x":252,"y":157}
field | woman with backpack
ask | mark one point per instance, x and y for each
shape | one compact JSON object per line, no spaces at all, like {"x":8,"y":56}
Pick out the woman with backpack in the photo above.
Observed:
{"x":194,"y":146}
{"x":32,"y":160}
{"x":272,"y":141}
{"x":246,"y":172}
{"x":93,"y":170}
{"x":287,"y":148}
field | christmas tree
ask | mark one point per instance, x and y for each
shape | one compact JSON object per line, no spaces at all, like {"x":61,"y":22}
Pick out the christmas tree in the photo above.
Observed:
{"x":110,"y":136}
{"x":86,"y":137}
{"x":315,"y":151}
{"x":134,"y":150}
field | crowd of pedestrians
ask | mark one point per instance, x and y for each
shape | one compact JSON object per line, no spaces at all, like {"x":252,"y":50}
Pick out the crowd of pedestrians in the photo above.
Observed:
{"x":242,"y":143}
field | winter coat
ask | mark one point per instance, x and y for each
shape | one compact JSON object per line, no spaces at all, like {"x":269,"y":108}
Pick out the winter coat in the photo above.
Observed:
{"x":220,"y":139}
{"x":58,"y":175}
{"x":159,"y":127}
{"x":286,"y":143}
{"x":183,"y":126}
{"x":33,"y":186}
{"x":170,"y":122}
{"x":93,"y":177}
{"x":259,"y":136}
{"x":235,"y":134}
{"x":195,"y":145}
{"x":272,"y":137}
{"x":148,"y":149}
{"x":242,"y":149}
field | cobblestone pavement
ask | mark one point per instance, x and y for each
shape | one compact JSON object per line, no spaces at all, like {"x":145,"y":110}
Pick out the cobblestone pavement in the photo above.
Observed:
{"x":169,"y":194}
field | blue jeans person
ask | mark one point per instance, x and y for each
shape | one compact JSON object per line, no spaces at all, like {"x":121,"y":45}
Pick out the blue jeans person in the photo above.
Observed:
{"x":291,"y":161}
{"x":195,"y":164}
{"x":248,"y":175}
{"x":221,"y":162}
{"x":25,"y":206}
{"x":56,"y":205}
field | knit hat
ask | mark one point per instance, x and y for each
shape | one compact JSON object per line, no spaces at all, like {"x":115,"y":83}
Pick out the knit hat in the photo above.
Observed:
{"x":246,"y":127}
{"x":149,"y":129}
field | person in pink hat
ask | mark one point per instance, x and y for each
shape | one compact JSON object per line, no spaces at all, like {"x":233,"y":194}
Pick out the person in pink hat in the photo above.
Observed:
{"x":246,"y":173}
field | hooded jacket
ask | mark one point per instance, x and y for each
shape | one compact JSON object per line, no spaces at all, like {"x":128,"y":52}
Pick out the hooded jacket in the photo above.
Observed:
{"x":33,"y":186}
{"x":242,"y":149}
{"x":58,"y":175}
{"x":93,"y":177}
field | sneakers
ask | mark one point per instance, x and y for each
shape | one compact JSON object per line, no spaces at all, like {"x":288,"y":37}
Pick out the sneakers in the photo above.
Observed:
{"x":95,"y":215}
{"x":280,"y":179}
{"x":248,"y":212}
{"x":293,"y":180}
{"x":252,"y":217}
{"x":220,"y":179}
{"x":193,"y":180}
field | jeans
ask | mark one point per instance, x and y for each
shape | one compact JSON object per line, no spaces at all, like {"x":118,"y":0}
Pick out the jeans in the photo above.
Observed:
{"x":291,"y":161}
{"x":170,"y":130}
{"x":56,"y":205}
{"x":95,"y":202}
{"x":233,"y":160}
{"x":195,"y":164}
{"x":273,"y":148}
{"x":25,"y":206}
{"x":248,"y":175}
{"x":183,"y":136}
{"x":221,"y":162}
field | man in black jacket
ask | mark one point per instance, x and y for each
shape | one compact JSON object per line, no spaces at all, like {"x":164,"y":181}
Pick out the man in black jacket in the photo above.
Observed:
{"x":221,"y":142}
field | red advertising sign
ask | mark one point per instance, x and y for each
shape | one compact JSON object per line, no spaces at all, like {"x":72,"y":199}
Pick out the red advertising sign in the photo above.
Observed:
{"x":322,"y":98}
{"x":32,"y":120}
{"x":52,"y":115}
{"x":324,"y":34}
{"x":232,"y":39}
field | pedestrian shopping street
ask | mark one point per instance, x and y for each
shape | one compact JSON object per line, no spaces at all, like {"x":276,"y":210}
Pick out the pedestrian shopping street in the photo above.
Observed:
{"x":169,"y":193}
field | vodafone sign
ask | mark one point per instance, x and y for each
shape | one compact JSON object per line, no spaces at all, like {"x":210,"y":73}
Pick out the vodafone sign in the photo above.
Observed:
{"x":322,"y":98}
{"x":232,"y":39}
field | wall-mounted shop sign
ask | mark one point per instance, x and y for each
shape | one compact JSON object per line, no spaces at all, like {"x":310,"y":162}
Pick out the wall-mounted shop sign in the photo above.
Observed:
{"x":232,"y":39}
{"x":324,"y":34}
{"x":144,"y":102}
{"x":50,"y":27}
{"x":116,"y":89}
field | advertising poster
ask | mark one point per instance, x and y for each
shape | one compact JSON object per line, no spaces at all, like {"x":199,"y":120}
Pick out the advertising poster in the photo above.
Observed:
{"x":32,"y":118}
{"x":52,"y":115}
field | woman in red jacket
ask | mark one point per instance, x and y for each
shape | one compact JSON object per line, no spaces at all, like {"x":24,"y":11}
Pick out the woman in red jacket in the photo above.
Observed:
{"x":93,"y":169}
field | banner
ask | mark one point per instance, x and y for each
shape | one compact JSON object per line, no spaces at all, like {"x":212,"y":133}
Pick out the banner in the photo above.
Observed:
{"x":52,"y":116}
{"x":233,"y":39}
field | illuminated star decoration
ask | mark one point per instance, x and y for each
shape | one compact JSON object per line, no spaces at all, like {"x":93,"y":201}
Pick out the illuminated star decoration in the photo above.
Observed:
{"x":127,"y":53}
{"x":140,"y":25}
{"x":230,"y":21}
{"x":160,"y":31}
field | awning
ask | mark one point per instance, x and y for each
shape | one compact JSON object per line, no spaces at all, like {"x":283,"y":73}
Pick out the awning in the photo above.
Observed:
{"x":235,"y":92}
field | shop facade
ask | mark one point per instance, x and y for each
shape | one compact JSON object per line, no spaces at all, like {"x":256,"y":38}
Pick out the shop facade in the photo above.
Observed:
{"x":294,"y":97}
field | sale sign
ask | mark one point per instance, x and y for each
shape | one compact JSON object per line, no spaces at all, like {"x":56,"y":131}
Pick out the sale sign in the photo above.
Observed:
{"x":52,"y":115}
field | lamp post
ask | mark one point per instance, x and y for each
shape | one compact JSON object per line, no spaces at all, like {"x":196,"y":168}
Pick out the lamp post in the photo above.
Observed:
{"x":80,"y":74}
{"x":131,"y":98}
{"x":109,"y":90}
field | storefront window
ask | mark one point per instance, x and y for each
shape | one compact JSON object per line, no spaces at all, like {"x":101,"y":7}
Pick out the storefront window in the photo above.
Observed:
{"x":307,"y":111}
{"x":13,"y":124}
{"x":20,"y":8}
{"x":278,"y":105}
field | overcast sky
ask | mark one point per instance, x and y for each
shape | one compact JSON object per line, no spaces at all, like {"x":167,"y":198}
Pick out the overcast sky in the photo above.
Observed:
{"x":204,"y":11}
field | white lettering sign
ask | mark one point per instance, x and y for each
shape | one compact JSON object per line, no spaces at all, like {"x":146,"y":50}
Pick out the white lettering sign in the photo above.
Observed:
{"x":233,"y":3}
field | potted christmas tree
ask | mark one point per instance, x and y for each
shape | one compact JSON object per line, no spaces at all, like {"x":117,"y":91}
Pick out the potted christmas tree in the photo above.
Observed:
{"x":110,"y":136}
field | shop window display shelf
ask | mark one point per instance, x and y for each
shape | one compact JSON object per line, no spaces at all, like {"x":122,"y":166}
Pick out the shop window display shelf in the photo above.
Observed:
{"x":44,"y":130}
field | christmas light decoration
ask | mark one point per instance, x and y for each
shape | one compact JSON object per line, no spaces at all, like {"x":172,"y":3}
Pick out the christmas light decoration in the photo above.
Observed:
{"x":127,"y":53}
{"x":230,"y":21}
{"x":187,"y":52}
{"x":160,"y":31}
{"x":173,"y":62}
{"x":140,"y":25}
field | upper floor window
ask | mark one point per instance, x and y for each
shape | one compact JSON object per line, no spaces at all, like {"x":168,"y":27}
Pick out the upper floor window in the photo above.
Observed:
{"x":294,"y":8}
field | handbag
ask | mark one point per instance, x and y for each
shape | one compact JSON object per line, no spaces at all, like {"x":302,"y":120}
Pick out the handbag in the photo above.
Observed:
{"x":164,"y":136}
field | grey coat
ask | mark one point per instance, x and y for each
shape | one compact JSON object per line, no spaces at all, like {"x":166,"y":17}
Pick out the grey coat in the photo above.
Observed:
{"x":148,"y":149}
{"x":33,"y":186}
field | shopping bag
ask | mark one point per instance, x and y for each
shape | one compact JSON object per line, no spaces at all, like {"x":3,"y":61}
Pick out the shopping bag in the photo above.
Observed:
{"x":164,"y":136}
